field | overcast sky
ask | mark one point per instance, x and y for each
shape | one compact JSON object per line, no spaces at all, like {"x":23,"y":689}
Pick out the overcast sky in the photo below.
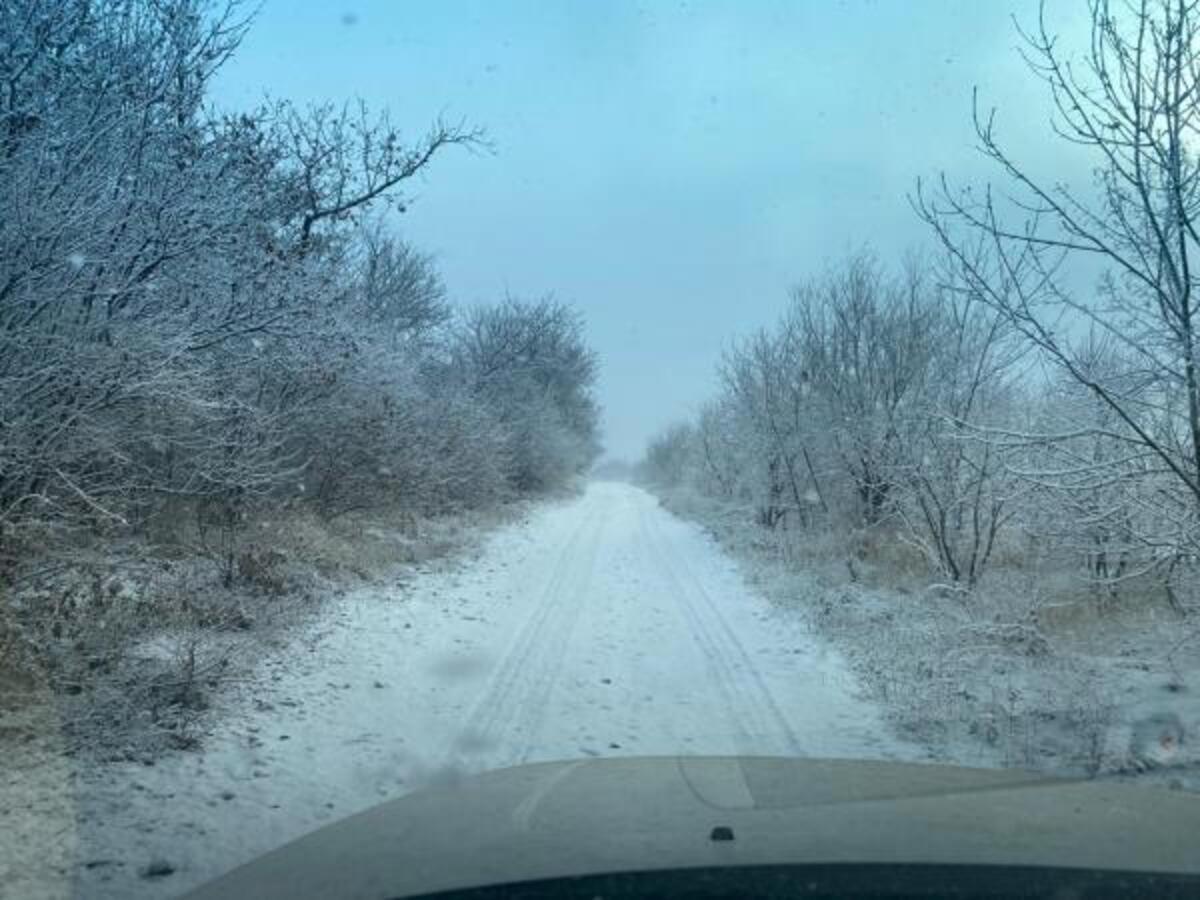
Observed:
{"x":670,"y":169}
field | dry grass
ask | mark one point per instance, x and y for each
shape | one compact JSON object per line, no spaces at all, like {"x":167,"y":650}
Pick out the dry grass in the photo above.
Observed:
{"x":119,"y":650}
{"x":134,"y":635}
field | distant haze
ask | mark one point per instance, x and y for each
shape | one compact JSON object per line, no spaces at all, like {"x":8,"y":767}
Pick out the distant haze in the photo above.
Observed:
{"x":669,"y":169}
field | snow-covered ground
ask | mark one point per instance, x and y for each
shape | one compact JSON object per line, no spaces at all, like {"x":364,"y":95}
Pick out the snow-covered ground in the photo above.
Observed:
{"x":599,"y":626}
{"x":1023,"y":672}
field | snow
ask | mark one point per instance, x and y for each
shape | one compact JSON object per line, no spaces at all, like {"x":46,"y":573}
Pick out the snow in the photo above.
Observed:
{"x":600,"y":626}
{"x":997,"y":677}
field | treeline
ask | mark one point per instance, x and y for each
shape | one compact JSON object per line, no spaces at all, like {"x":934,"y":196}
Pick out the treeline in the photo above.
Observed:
{"x":201,"y":311}
{"x":995,"y":395}
{"x":871,"y":404}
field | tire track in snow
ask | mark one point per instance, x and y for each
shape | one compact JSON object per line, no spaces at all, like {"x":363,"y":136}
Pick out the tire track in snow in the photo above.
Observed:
{"x":505,"y":722}
{"x":757,"y":716}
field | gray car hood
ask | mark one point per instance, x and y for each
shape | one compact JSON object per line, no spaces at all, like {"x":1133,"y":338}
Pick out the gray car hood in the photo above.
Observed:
{"x":634,"y":814}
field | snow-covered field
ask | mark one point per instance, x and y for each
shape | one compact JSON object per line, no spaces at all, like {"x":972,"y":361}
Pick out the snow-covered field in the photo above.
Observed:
{"x":600,"y":625}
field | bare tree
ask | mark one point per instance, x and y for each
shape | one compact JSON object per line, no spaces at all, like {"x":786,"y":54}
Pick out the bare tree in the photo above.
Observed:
{"x":531,"y":366}
{"x":767,"y":379}
{"x":866,"y":344}
{"x":344,"y":160}
{"x":668,"y":460}
{"x":1130,"y":102}
{"x":397,"y":289}
{"x":957,"y":490}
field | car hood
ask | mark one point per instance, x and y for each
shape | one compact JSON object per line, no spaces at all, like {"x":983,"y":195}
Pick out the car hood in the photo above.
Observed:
{"x":600,"y":816}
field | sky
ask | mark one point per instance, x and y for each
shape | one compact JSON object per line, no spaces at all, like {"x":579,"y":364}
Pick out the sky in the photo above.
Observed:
{"x":668,"y":169}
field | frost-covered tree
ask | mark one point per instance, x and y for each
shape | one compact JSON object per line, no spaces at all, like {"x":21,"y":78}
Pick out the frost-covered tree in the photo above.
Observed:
{"x":766,"y":381}
{"x":873,"y":405}
{"x":206,"y":310}
{"x":669,"y":458}
{"x":865,"y":343}
{"x":1129,"y":102}
{"x":957,"y":492}
{"x":529,"y":364}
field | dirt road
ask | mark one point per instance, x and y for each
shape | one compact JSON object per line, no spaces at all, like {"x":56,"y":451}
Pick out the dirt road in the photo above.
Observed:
{"x":601,"y":625}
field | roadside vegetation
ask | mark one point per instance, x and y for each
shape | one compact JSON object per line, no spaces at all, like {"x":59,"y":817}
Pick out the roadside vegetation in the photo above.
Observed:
{"x":226,"y":382}
{"x":980,"y":469}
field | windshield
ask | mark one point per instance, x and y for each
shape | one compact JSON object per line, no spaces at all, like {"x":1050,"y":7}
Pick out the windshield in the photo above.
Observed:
{"x":391,"y":393}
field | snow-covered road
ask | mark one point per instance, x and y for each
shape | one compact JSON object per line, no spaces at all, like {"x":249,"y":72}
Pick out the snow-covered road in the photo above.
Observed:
{"x":601,"y":625}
